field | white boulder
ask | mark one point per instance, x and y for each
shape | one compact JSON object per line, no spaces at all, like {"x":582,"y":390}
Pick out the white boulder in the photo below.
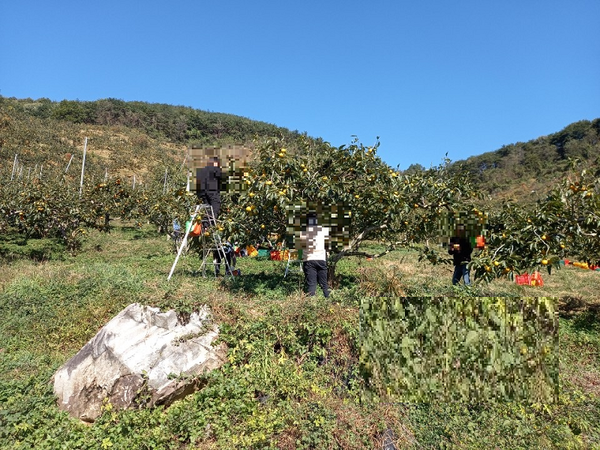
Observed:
{"x":141,"y":357}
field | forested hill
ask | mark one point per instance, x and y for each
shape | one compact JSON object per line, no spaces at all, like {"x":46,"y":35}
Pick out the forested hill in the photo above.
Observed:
{"x":138,"y":138}
{"x":175,"y":123}
{"x":528,"y":170}
{"x":125,"y":137}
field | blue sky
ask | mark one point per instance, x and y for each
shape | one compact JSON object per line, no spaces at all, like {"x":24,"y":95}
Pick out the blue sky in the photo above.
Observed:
{"x":427,"y":77}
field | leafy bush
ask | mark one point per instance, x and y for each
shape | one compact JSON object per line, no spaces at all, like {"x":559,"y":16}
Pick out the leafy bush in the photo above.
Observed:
{"x":460,"y":349}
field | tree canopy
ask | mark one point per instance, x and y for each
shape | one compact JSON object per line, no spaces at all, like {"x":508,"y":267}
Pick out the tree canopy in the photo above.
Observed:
{"x":353,"y":191}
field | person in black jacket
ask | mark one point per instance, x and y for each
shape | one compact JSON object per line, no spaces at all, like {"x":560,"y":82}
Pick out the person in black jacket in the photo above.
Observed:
{"x":460,"y":248}
{"x":208,"y":185}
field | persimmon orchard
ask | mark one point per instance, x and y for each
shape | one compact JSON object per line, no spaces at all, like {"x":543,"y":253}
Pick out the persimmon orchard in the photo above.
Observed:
{"x":372,"y":201}
{"x":53,"y":208}
{"x":359,"y":196}
{"x":409,"y":209}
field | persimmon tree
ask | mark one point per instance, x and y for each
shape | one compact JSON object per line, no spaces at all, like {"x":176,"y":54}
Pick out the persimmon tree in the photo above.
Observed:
{"x":565,"y":224}
{"x":42,"y":209}
{"x":361,"y":196}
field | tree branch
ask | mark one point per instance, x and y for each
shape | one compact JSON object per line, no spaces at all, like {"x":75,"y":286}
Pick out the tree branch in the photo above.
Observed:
{"x":350,"y":248}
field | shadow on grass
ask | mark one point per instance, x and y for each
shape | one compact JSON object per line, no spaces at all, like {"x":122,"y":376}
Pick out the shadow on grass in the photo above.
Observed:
{"x":14,"y":247}
{"x":582,"y":315}
{"x":588,"y":320}
{"x":346,"y":281}
{"x":263,"y":283}
{"x":274,"y":284}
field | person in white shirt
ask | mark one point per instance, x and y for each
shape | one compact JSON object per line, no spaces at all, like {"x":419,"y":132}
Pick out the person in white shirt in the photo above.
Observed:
{"x":314,"y":256}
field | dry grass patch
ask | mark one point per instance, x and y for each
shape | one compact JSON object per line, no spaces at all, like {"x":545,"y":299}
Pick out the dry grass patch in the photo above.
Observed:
{"x":401,"y":273}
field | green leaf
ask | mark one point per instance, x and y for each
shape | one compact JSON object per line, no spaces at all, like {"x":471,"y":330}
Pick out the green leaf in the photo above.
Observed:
{"x":472,"y":336}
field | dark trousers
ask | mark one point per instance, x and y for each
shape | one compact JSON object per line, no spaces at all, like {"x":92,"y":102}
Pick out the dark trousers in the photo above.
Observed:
{"x":315,"y":272}
{"x":218,"y":259}
{"x":213,"y":199}
{"x":461,"y":271}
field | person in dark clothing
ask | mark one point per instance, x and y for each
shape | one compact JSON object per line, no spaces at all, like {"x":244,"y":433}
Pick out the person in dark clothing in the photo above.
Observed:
{"x":460,"y":248}
{"x":229,"y":256}
{"x":208,"y":185}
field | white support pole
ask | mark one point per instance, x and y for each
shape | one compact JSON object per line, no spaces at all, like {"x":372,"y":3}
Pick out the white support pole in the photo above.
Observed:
{"x":83,"y":166}
{"x":187,"y":154}
{"x":41,"y":171}
{"x":165,"y":183}
{"x":71,"y":159}
{"x":133,"y":187}
{"x":14,"y":165}
{"x":184,"y":241}
{"x":105,"y":174}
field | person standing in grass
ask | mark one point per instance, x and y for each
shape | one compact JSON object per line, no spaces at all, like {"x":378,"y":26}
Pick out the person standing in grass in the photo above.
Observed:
{"x":460,"y":248}
{"x":314,"y":256}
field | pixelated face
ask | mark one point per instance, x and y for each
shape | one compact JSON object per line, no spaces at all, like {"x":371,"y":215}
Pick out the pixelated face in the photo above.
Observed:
{"x":234,"y":157}
{"x":336,"y":217}
{"x":467,"y":224}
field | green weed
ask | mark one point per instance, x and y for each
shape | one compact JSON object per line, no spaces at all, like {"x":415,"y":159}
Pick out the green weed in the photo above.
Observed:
{"x":292,"y":378}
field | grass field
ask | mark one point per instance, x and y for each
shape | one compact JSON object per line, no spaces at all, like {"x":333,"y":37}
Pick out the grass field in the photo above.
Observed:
{"x":292,"y":380}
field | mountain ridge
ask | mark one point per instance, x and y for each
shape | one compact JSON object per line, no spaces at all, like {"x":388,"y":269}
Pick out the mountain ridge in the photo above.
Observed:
{"x":138,"y":138}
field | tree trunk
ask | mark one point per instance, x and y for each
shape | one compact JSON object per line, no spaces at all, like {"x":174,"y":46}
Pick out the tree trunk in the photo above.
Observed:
{"x":332,"y":280}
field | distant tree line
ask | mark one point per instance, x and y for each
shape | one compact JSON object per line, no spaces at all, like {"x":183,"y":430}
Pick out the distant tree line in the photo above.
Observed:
{"x":543,"y":159}
{"x":176,"y":123}
{"x":33,"y":128}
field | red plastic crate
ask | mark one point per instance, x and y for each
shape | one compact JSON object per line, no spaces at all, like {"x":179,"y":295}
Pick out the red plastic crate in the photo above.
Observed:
{"x":535,"y":279}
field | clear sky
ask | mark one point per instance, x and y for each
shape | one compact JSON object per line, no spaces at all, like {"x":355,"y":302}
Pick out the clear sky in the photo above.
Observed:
{"x":428,"y":77}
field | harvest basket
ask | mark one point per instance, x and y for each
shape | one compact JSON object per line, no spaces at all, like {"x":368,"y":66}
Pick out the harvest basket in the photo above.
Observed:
{"x":535,"y":279}
{"x":523,"y":280}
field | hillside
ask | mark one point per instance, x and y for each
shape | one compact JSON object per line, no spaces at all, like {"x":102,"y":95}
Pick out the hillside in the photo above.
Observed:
{"x":526,"y":171}
{"x":141,"y":139}
{"x":125,"y":138}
